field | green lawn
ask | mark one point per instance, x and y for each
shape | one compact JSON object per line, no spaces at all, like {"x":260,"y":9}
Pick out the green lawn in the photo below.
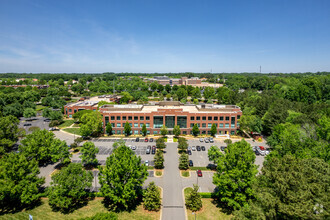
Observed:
{"x":185,"y":173}
{"x":44,"y":211}
{"x":209,"y":210}
{"x":72,"y":130}
{"x":66,"y":123}
{"x":159,"y":173}
{"x":40,"y":107}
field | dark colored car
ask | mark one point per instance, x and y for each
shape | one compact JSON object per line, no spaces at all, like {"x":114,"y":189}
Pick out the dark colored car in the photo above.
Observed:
{"x":211,"y":140}
{"x":137,"y":139}
{"x":148,"y":149}
{"x":153,"y":150}
{"x":28,"y":124}
{"x":146,"y":140}
{"x":191,"y":164}
{"x":223,"y":148}
{"x":198,"y":148}
{"x":151,"y":140}
{"x":199,"y":173}
{"x":203,"y":148}
{"x":189,"y":152}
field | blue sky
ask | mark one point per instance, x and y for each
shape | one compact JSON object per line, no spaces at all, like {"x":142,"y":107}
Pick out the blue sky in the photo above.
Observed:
{"x":164,"y":36}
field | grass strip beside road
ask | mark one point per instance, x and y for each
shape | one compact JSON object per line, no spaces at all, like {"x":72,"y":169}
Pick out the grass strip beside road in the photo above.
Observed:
{"x":66,"y":123}
{"x":93,"y":207}
{"x":199,"y":168}
{"x":72,"y":130}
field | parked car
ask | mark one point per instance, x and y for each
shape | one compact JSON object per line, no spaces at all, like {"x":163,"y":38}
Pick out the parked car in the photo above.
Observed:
{"x":146,"y":163}
{"x":151,"y":140}
{"x":193,"y":148}
{"x":223,"y":148}
{"x":189,"y":148}
{"x":199,"y":173}
{"x":203,"y":148}
{"x":191,"y":164}
{"x":146,"y":140}
{"x":52,"y":129}
{"x":198,"y":148}
{"x":189,"y":152}
{"x":27,"y":124}
{"x":153,"y":150}
{"x":137,"y":140}
{"x":262,"y":148}
{"x":133,"y":148}
{"x":211,"y":140}
{"x":148,"y":149}
{"x":201,"y":139}
{"x":47,"y":120}
{"x":207,"y":140}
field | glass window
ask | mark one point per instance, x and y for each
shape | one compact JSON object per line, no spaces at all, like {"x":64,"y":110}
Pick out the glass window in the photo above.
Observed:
{"x":141,"y":118}
{"x":198,"y":118}
{"x":118,"y":132}
{"x":209,"y":125}
{"x":124,"y":124}
{"x":182,"y":121}
{"x":221,"y":125}
{"x":198,"y":125}
{"x":136,"y":132}
{"x":147,"y":118}
{"x":204,"y":118}
{"x":170,"y":121}
{"x":221,"y":118}
{"x":184,"y":132}
{"x":118,"y":125}
{"x":233,"y":120}
{"x":204,"y":125}
{"x":227,"y":125}
{"x":136,"y":125}
{"x":238,"y":116}
{"x":237,"y":124}
{"x":209,"y":118}
{"x":192,"y":118}
{"x":124,"y":118}
{"x":118,"y":118}
{"x":148,"y":125}
{"x":158,"y":121}
{"x":70,"y":116}
{"x":129,"y":118}
{"x":113,"y":125}
{"x":106,"y":119}
{"x":208,"y":132}
{"x":203,"y":132}
{"x":112,"y":118}
{"x":130,"y":124}
{"x":155,"y":132}
{"x":136,"y":118}
{"x":70,"y":110}
{"x":215,"y":118}
{"x":148,"y":132}
{"x":141,"y":125}
{"x":232,"y":125}
{"x":191,"y":125}
{"x":227,"y":118}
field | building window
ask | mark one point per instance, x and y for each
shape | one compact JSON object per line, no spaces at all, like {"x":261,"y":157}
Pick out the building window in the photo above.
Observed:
{"x":198,"y":118}
{"x":106,"y":118}
{"x":118,"y":125}
{"x":136,"y":132}
{"x":238,"y":116}
{"x":204,"y":125}
{"x":130,"y":118}
{"x":141,"y":118}
{"x":147,"y":118}
{"x":191,"y":125}
{"x":221,"y":118}
{"x":155,"y":132}
{"x":208,"y":132}
{"x":198,"y":125}
{"x":112,"y":118}
{"x":237,"y":124}
{"x":221,"y":125}
{"x":204,"y":118}
{"x":124,"y":118}
{"x":75,"y":110}
{"x":118,"y":132}
{"x":141,"y":125}
{"x":148,"y":132}
{"x":227,"y":125}
{"x":209,"y":125}
{"x":184,"y":132}
{"x":118,"y":118}
{"x":209,"y":118}
{"x":192,"y":118}
{"x":227,"y":118}
{"x":130,"y":124}
{"x":170,"y":121}
{"x":220,"y":132}
{"x":158,"y":121}
{"x":148,"y":125}
{"x":124,"y":125}
{"x":113,"y":125}
{"x":203,"y":132}
{"x":232,"y":120}
{"x":70,"y":116}
{"x":215,"y":118}
{"x":70,"y":110}
{"x":136,"y":118}
{"x":182,"y":121}
{"x":232,"y":125}
{"x":136,"y":125}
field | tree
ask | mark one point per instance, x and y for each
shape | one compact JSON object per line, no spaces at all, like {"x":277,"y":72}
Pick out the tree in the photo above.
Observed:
{"x":108,"y":129}
{"x":194,"y":200}
{"x":168,"y":88}
{"x":19,"y":181}
{"x":176,"y":130}
{"x":125,"y":97}
{"x":46,"y":112}
{"x":228,"y":141}
{"x":235,"y":175}
{"x":91,"y":124}
{"x":290,"y":188}
{"x":127,"y":129}
{"x":196,"y":93}
{"x":195,"y":130}
{"x":78,"y":115}
{"x":89,"y":151}
{"x":159,"y":159}
{"x":9,"y":133}
{"x":160,"y":143}
{"x":68,"y":187}
{"x":144,"y":130}
{"x":29,"y":113}
{"x":251,"y":123}
{"x":151,"y":198}
{"x":60,"y":152}
{"x":181,"y":93}
{"x":208,"y":93}
{"x":183,"y":161}
{"x":213,"y":129}
{"x":214,"y":154}
{"x":182,"y":145}
{"x":164,"y":130}
{"x":122,"y":179}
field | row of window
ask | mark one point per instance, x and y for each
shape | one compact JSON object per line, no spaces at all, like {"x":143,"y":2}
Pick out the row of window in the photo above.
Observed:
{"x":209,"y":125}
{"x":136,"y":125}
{"x":136,"y":132}
{"x":192,"y":118}
{"x":129,"y":118}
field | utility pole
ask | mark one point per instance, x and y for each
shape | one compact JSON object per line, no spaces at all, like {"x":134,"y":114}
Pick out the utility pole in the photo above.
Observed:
{"x":260,"y":69}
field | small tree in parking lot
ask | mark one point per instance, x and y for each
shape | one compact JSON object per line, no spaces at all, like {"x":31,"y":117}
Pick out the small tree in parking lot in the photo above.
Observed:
{"x":163,"y":131}
{"x":213,"y":129}
{"x":160,"y":143}
{"x":176,"y":130}
{"x":195,"y":130}
{"x":194,"y":200}
{"x":228,"y":141}
{"x":89,"y":151}
{"x":183,"y":161}
{"x":144,"y":130}
{"x":182,"y":144}
{"x":127,"y":129}
{"x":159,"y":159}
{"x":151,"y":198}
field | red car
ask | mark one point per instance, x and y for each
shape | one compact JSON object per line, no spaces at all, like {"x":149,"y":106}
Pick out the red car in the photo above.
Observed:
{"x":146,"y":140}
{"x":261,"y":148}
{"x":199,"y":173}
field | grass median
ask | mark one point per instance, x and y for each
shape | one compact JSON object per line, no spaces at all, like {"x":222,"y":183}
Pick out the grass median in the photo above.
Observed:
{"x":72,"y":130}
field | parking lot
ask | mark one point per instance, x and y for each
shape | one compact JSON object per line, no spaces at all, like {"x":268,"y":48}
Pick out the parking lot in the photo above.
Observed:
{"x":39,"y":122}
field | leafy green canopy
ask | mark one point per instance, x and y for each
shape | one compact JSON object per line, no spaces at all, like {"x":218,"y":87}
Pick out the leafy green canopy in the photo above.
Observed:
{"x":9,"y":133}
{"x":91,"y":124}
{"x":151,"y":197}
{"x":89,"y":151}
{"x":194,"y":200}
{"x":122,"y":178}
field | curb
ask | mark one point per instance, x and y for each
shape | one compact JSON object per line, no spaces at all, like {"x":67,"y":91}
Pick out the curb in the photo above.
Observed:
{"x":184,"y":203}
{"x":161,"y":207}
{"x":158,"y":176}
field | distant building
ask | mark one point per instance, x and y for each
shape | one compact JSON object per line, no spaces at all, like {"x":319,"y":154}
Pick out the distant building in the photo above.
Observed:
{"x":194,"y":81}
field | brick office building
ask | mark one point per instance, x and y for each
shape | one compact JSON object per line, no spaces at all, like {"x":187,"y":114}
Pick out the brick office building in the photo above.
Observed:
{"x":172,"y":113}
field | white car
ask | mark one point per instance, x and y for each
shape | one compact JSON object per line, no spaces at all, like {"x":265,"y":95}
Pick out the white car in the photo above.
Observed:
{"x":193,"y":148}
{"x":146,"y":163}
{"x":133,"y":147}
{"x":201,"y":140}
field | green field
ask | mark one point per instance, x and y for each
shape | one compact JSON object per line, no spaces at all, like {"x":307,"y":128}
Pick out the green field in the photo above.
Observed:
{"x":95,"y":206}
{"x":72,"y":130}
{"x":66,"y":123}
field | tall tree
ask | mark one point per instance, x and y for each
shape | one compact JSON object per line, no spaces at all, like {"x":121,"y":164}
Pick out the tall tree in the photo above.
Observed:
{"x":68,"y":187}
{"x":182,"y":144}
{"x":176,"y":130}
{"x":151,"y":197}
{"x":108,"y":129}
{"x":194,"y":200}
{"x":164,"y":130}
{"x":159,"y":159}
{"x":160,"y":143}
{"x":29,"y":113}
{"x":195,"y":130}
{"x":91,"y":124}
{"x":9,"y":133}
{"x":89,"y":151}
{"x":213,"y":129}
{"x":144,"y":130}
{"x":127,"y":129}
{"x":214,"y":154}
{"x":122,"y":179}
{"x":19,"y":181}
{"x":183,"y":161}
{"x":235,"y":175}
